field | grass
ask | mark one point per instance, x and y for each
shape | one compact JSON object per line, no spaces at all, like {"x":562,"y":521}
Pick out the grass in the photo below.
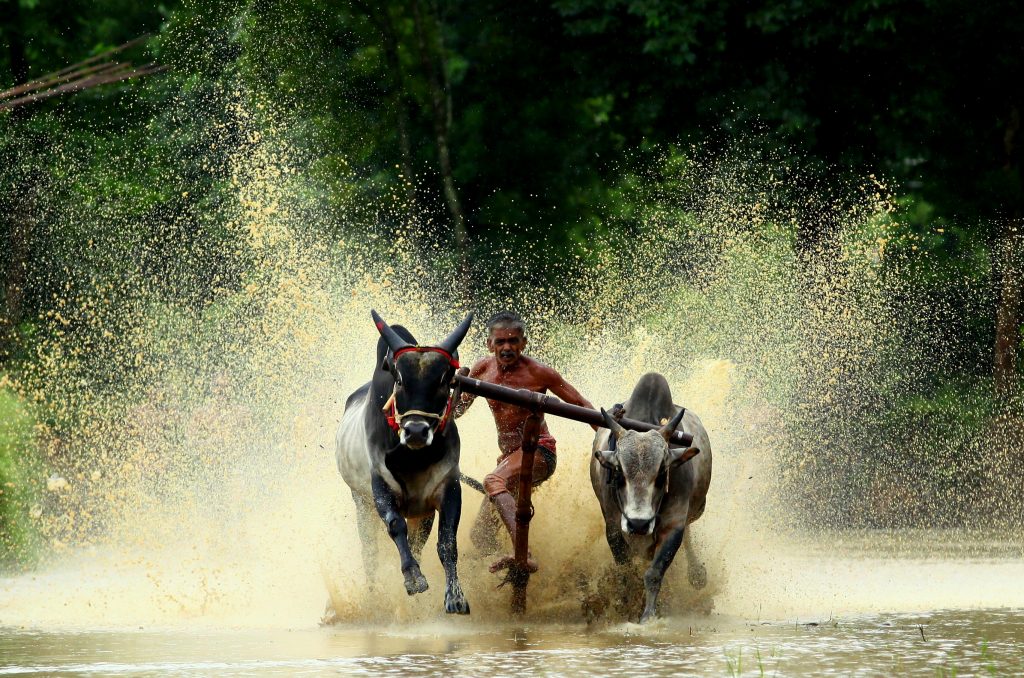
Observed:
{"x":734,"y":661}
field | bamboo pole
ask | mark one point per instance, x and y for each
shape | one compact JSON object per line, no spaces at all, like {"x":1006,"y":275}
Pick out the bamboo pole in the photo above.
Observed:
{"x":47,"y":82}
{"x":72,"y":71}
{"x":104,"y":78}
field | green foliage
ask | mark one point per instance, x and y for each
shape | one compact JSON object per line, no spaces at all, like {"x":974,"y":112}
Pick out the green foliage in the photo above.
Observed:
{"x":17,"y":479}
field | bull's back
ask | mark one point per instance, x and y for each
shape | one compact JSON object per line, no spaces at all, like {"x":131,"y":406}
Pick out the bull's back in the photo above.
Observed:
{"x":351,"y":443}
{"x":695,"y":475}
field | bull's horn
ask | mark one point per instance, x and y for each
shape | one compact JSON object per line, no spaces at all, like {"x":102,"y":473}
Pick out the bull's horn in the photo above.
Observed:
{"x":395,"y":342}
{"x":613,"y":425}
{"x":668,"y":429}
{"x":452,"y":341}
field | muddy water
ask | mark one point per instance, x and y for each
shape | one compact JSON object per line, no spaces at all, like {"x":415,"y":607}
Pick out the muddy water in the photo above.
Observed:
{"x":964,"y":642}
{"x":855,"y":602}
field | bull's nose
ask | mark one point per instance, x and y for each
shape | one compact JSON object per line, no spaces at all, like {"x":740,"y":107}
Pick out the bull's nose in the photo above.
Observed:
{"x":416,"y":431}
{"x":634,"y":526}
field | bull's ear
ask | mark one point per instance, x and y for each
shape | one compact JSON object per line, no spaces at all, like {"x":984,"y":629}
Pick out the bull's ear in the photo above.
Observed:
{"x":606,"y":458}
{"x":680,"y":455}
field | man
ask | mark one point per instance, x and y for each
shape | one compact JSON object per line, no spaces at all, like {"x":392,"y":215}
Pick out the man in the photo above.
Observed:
{"x":506,"y":365}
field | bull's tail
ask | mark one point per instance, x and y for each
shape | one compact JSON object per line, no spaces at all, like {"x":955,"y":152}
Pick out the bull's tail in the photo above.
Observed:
{"x":472,"y":482}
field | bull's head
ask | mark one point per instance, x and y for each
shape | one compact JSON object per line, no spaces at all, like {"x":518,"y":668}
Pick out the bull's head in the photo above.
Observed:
{"x":423,"y":377}
{"x":640,"y":467}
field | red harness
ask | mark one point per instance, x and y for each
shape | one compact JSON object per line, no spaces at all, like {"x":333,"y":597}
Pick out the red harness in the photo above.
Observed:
{"x":394,"y":417}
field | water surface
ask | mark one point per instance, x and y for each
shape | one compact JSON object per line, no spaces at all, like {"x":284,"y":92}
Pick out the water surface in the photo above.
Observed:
{"x":930,"y":602}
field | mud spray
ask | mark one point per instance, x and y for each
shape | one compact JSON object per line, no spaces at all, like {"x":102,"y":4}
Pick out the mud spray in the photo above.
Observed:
{"x":191,"y":476}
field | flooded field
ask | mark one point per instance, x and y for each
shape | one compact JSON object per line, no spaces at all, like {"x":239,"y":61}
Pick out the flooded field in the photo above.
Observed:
{"x":938,"y":643}
{"x":853,"y":603}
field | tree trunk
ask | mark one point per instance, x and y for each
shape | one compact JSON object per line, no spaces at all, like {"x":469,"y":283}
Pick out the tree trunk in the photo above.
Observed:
{"x":20,"y":220}
{"x":1010,"y":261}
{"x":442,"y":129}
{"x":399,"y":101}
{"x":1008,"y":338}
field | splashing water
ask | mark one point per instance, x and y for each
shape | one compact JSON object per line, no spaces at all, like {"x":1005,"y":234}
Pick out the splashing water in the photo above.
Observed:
{"x":191,"y":430}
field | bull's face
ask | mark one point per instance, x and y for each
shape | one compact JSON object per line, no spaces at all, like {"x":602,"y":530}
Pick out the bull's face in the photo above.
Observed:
{"x":422,"y":383}
{"x":640,"y":468}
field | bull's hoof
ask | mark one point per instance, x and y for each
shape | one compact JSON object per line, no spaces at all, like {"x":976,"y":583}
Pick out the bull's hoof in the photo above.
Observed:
{"x":415,"y":582}
{"x":698,"y":576}
{"x":647,"y":616}
{"x":456,"y":604}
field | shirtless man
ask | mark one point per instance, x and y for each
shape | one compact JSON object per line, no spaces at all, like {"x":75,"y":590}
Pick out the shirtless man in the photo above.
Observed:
{"x":507,"y":366}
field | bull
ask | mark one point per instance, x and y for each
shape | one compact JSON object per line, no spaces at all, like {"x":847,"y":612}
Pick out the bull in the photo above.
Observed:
{"x":648,"y":493}
{"x":398,"y":451}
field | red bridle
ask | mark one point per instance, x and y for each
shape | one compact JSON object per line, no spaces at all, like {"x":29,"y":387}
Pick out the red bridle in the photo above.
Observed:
{"x":394,"y":417}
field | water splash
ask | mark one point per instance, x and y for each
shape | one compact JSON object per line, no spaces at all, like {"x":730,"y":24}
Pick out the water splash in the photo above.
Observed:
{"x":191,"y":415}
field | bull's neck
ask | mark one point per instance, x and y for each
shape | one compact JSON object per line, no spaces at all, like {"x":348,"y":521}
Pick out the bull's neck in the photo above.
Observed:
{"x":402,"y":460}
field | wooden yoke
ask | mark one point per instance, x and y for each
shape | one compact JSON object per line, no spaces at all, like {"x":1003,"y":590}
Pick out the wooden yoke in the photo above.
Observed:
{"x":519,"y":573}
{"x":543,"y":403}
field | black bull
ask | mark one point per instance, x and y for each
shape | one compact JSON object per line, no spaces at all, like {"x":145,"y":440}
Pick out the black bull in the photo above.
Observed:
{"x":406,"y":466}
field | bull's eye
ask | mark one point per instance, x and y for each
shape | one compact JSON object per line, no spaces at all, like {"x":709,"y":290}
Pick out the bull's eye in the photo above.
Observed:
{"x":398,"y":378}
{"x":659,"y":481}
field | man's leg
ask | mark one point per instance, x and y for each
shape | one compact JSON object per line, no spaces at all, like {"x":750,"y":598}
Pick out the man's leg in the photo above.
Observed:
{"x":498,"y":485}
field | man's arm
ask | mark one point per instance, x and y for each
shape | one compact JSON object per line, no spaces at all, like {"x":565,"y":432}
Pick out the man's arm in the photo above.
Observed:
{"x":466,"y":399}
{"x":557,"y":384}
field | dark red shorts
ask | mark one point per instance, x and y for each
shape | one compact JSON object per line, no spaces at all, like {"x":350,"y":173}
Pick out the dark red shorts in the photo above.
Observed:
{"x":505,"y":477}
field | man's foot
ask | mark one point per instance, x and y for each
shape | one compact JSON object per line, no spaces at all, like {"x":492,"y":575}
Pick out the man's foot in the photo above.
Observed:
{"x":507,"y":561}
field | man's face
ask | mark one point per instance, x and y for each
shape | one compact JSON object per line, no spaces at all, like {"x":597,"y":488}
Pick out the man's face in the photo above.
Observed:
{"x":506,"y":344}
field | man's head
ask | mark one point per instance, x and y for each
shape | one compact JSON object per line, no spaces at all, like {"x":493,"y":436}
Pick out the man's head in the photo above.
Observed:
{"x":506,"y":338}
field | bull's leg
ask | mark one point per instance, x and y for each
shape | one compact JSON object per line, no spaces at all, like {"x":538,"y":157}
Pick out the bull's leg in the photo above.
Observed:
{"x":656,"y":572}
{"x":616,"y":542}
{"x":447,"y":549}
{"x":695,"y":570}
{"x":367,"y":535}
{"x":398,"y":530}
{"x":420,"y":533}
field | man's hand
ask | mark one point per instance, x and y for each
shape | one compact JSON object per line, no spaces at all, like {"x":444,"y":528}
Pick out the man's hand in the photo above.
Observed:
{"x":465,"y":399}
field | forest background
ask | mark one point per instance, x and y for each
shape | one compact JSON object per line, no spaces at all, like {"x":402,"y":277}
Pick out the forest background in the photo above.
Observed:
{"x":495,"y":124}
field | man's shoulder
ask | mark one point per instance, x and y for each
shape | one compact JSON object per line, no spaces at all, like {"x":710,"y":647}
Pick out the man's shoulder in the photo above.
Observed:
{"x":481,"y":365}
{"x":540,"y":369}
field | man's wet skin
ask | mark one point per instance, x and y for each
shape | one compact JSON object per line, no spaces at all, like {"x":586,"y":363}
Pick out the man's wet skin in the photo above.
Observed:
{"x":506,"y":365}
